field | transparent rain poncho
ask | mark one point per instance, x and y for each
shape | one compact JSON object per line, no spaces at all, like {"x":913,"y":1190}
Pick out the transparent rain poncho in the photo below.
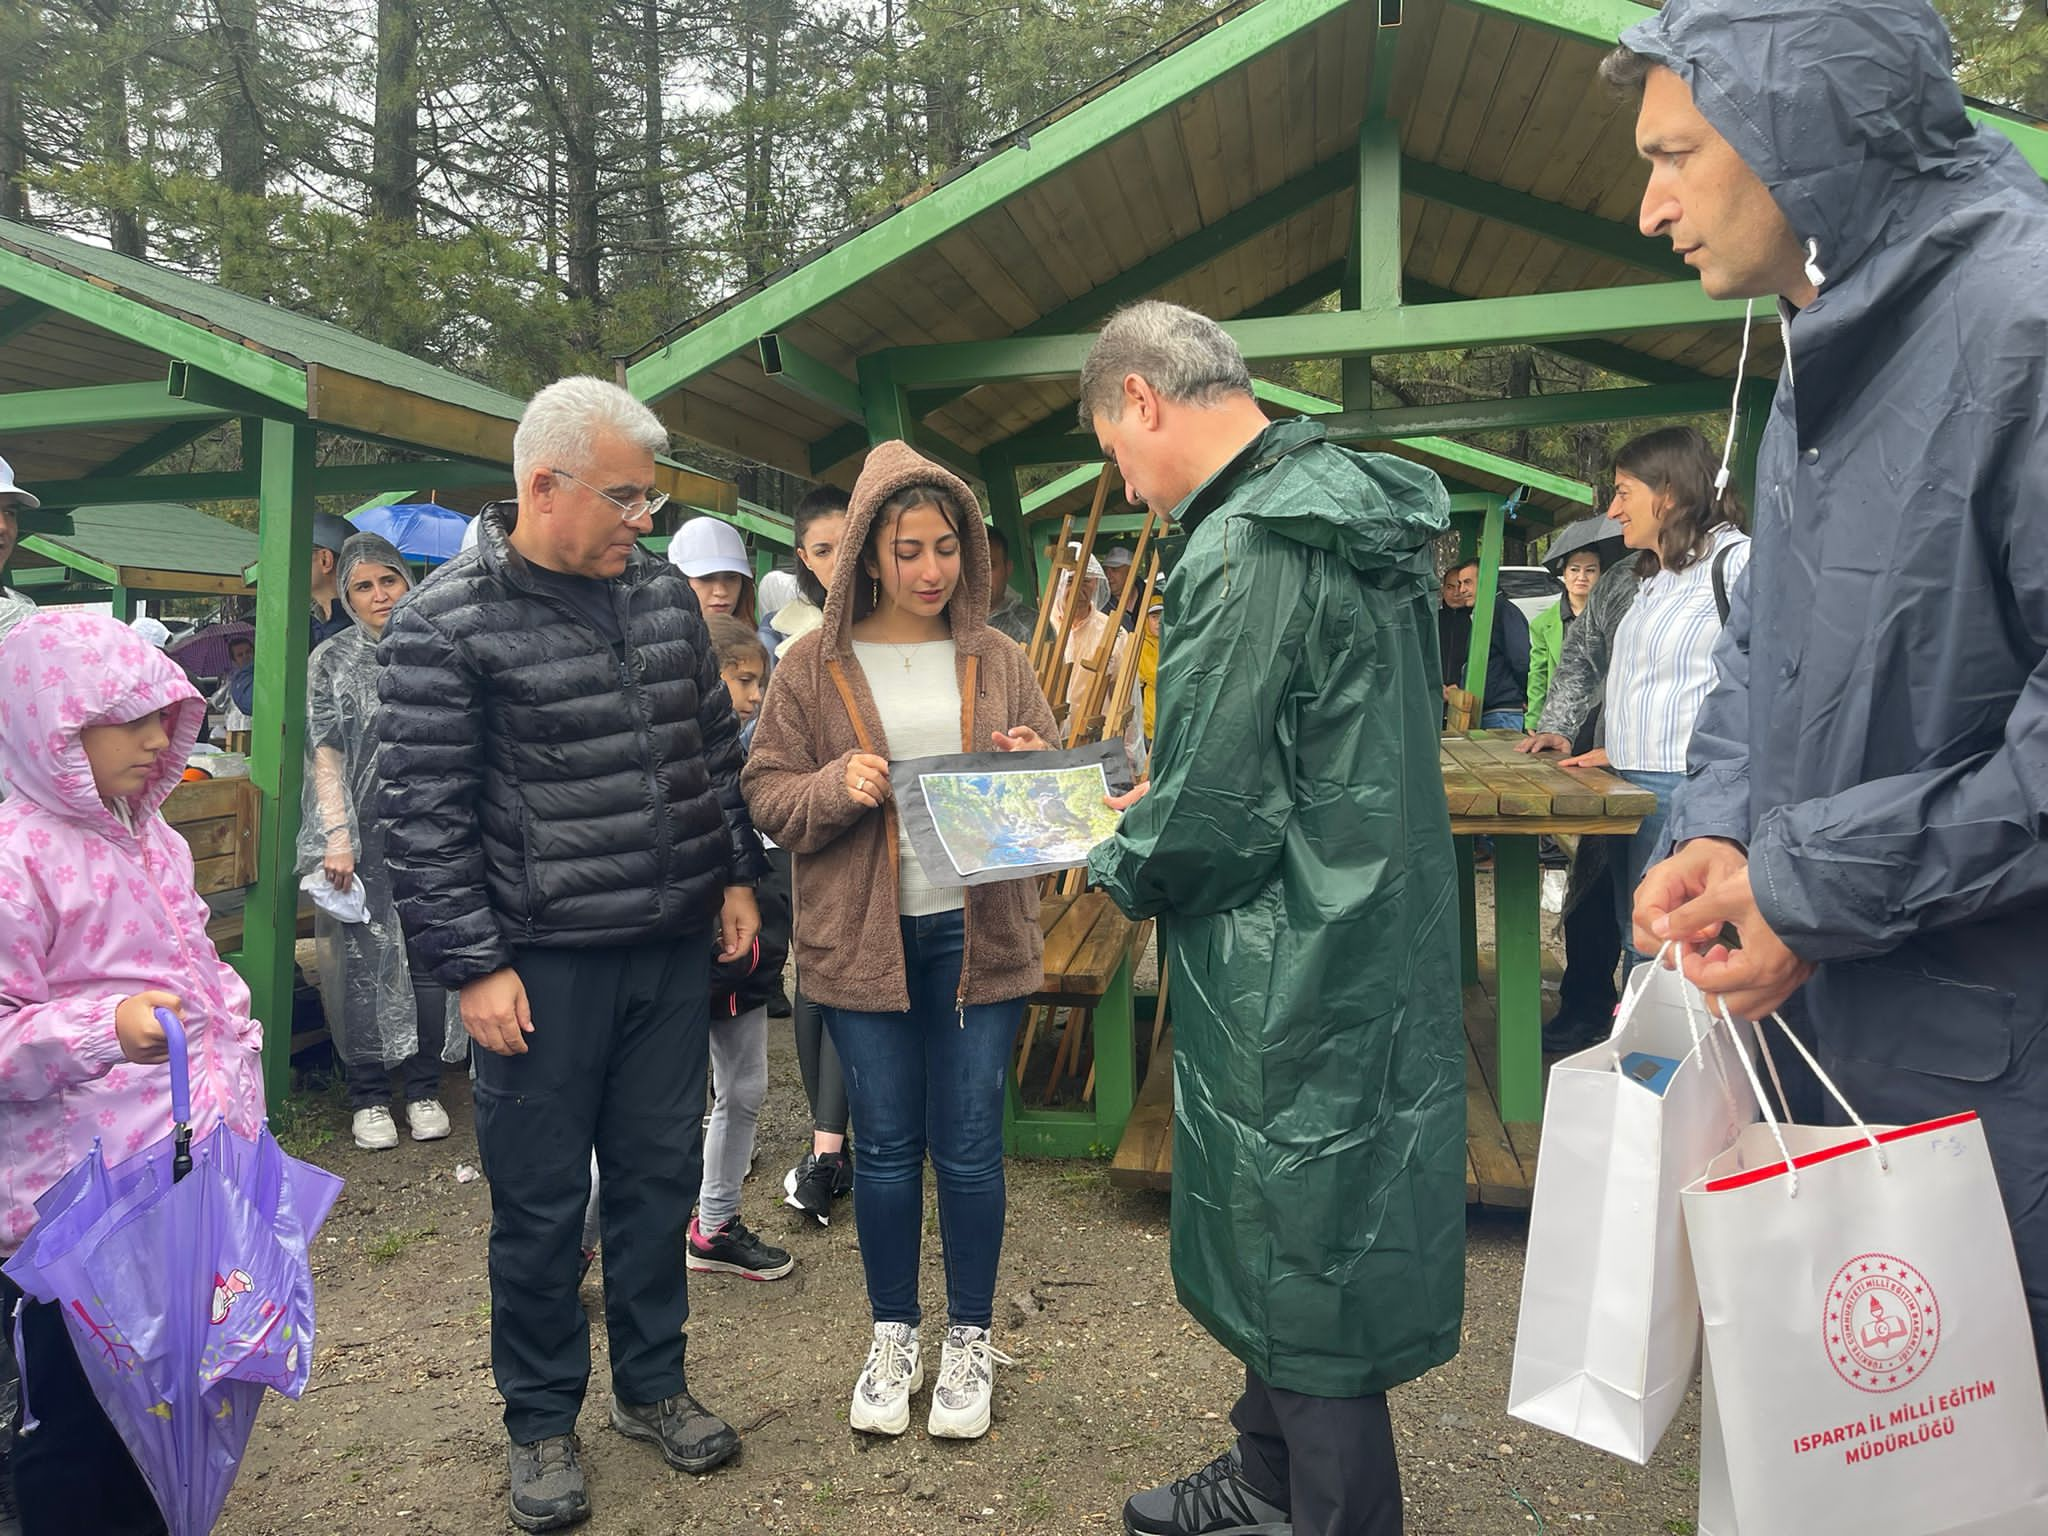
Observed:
{"x":366,"y":982}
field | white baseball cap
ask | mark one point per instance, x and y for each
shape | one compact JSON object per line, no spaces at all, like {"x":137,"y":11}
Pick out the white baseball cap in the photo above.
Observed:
{"x":704,"y":546}
{"x":9,"y":488}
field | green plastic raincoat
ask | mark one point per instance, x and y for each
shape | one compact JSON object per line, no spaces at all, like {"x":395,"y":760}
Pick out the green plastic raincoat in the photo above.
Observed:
{"x":1296,"y":847}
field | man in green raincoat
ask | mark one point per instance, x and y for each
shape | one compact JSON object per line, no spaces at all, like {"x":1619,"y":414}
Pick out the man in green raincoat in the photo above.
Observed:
{"x":1296,"y":848}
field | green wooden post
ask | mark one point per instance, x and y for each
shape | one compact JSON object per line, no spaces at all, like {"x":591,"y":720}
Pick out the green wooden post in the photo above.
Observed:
{"x":1518,"y":981}
{"x":1490,"y":540}
{"x":884,"y":411}
{"x":284,"y":531}
{"x":1468,"y":914}
{"x":124,"y":603}
{"x":1006,"y":507}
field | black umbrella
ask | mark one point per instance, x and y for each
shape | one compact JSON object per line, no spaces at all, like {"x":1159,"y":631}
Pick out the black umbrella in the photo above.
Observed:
{"x":1587,"y":533}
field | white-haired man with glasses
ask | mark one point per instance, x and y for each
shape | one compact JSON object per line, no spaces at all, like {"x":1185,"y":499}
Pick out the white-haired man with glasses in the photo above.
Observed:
{"x":568,"y":847}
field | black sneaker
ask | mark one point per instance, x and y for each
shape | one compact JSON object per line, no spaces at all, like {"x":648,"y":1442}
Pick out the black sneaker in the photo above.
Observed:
{"x":692,"y":1438}
{"x":842,"y":1181}
{"x":812,"y":1183}
{"x":547,"y":1484}
{"x":733,"y":1250}
{"x":1215,"y":1501}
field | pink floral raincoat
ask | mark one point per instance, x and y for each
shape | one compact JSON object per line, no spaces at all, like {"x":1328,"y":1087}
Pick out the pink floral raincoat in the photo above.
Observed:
{"x":94,"y":907}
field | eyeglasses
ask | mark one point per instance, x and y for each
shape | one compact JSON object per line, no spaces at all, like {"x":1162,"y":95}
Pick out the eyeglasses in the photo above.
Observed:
{"x":629,"y":511}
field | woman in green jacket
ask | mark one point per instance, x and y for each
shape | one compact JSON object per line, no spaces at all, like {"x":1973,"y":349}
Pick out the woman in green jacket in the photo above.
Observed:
{"x":1578,"y":571}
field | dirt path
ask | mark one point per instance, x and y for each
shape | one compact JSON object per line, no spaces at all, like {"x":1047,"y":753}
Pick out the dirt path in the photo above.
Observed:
{"x":1116,"y":1389}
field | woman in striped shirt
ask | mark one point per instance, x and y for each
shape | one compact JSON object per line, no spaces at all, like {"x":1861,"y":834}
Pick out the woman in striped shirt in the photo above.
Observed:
{"x":1692,"y":550}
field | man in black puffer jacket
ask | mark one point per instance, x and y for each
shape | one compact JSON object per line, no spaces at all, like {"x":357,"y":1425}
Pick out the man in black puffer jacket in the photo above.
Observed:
{"x":560,"y":780}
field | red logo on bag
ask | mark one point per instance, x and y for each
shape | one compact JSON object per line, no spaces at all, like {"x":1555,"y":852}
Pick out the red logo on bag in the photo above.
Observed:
{"x":1882,"y":1323}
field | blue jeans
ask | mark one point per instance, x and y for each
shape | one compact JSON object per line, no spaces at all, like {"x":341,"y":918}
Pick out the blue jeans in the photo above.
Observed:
{"x":1641,"y":846}
{"x":1501,"y":720}
{"x":930,"y":1080}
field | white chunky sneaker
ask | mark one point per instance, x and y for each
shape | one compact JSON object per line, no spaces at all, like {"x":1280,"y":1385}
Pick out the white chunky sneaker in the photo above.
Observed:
{"x":967,"y":1379}
{"x":429,"y":1121}
{"x":374,"y":1129}
{"x":895,"y":1369}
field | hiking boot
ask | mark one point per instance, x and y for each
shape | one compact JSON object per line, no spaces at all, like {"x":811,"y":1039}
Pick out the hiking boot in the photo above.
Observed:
{"x":374,"y":1129}
{"x":733,"y":1250}
{"x":810,"y":1185}
{"x":692,"y":1438}
{"x":1215,"y":1501}
{"x":429,"y":1121}
{"x":547,"y":1484}
{"x":894,"y":1370}
{"x":967,"y":1376}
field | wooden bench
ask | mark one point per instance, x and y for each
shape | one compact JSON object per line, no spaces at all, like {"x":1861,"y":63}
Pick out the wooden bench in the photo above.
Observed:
{"x":1090,"y":948}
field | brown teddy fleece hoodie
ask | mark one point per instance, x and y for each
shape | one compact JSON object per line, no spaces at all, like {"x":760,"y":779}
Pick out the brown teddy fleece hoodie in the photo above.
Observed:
{"x":819,"y":712}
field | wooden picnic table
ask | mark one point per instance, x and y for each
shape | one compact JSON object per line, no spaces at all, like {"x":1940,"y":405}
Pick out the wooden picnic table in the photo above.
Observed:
{"x":1090,"y":948}
{"x":1518,"y":799}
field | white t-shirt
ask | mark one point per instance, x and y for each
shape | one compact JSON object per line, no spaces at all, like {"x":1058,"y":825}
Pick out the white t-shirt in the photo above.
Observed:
{"x":917,"y":694}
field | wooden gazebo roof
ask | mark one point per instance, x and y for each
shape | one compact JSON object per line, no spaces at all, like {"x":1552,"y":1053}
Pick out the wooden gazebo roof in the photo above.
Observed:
{"x":1224,"y":171}
{"x":107,"y":364}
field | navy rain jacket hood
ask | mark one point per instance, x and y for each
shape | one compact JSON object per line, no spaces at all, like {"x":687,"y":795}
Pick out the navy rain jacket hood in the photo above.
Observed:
{"x":1878,"y":736}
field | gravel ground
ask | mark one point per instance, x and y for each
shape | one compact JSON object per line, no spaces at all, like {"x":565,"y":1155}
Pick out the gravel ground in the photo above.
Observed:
{"x":1115,"y":1388}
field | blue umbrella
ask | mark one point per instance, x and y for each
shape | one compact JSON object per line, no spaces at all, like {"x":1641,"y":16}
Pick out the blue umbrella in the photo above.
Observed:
{"x":421,"y":530}
{"x":183,"y":1277}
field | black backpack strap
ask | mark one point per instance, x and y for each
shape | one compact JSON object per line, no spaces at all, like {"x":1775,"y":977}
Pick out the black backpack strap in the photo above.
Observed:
{"x":1721,"y":580}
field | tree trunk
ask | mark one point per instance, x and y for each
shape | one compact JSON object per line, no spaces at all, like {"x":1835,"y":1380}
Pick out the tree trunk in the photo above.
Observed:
{"x":580,"y":172}
{"x":395,"y":133}
{"x":653,"y":133}
{"x":240,"y":131}
{"x":13,"y":151}
{"x":125,"y":232}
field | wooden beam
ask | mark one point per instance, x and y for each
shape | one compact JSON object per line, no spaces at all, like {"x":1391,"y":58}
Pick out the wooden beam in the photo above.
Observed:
{"x":99,"y":405}
{"x":796,"y":369}
{"x":1532,"y":411}
{"x":21,"y":315}
{"x":1536,"y":318}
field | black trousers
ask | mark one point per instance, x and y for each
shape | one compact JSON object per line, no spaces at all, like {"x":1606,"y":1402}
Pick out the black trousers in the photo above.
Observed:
{"x":1329,"y":1461}
{"x":369,"y":1082}
{"x":419,"y":1075}
{"x":72,"y":1474}
{"x":1592,"y":950}
{"x":615,"y":1064}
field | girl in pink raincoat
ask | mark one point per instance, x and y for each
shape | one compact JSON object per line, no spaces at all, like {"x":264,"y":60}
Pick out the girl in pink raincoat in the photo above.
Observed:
{"x":99,"y":926}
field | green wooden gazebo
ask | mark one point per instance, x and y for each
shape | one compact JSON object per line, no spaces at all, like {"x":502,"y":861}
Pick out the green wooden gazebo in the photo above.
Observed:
{"x":108,"y":365}
{"x":1452,"y":171}
{"x":1452,"y":168}
{"x":128,"y":550}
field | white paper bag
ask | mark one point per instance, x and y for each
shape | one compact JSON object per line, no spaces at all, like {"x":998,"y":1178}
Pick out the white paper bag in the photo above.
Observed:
{"x":1870,"y":1353}
{"x":1609,"y":1334}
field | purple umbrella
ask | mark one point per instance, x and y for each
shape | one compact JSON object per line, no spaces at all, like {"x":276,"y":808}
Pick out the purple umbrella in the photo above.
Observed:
{"x":204,"y":652}
{"x":184,"y":1282}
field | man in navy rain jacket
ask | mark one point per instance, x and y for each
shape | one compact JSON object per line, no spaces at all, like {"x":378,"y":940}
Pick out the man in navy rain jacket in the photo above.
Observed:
{"x":1868,"y":790}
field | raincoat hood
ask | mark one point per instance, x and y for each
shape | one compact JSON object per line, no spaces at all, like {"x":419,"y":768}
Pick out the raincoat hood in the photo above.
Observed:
{"x":61,"y":672}
{"x":367,"y":549}
{"x":892,"y":467}
{"x":1381,"y":515}
{"x":1848,"y":113}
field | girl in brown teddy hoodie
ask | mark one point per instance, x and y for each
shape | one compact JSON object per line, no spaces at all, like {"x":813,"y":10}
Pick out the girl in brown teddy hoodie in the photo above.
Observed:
{"x":922,"y":984}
